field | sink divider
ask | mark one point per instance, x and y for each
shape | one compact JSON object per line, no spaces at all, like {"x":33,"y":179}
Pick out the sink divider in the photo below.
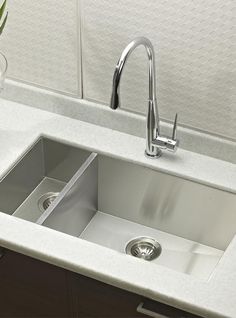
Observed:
{"x":77,"y":203}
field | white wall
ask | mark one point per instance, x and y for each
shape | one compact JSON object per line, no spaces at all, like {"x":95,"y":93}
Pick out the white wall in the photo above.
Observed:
{"x":42,"y":45}
{"x":195,"y":53}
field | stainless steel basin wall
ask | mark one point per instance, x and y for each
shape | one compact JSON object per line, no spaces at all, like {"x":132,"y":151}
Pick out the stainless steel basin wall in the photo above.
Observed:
{"x":46,"y":158}
{"x":21,"y":180}
{"x":77,"y":203}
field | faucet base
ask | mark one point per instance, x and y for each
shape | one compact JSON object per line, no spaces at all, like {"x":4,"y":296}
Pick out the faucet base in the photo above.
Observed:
{"x":156,"y":155}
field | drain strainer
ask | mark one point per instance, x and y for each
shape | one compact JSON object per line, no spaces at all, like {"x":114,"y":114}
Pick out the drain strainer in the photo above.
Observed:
{"x":144,"y":247}
{"x":46,"y":200}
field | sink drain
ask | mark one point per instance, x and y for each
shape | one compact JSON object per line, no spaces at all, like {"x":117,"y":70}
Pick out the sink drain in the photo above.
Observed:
{"x":46,"y":200}
{"x":144,"y":247}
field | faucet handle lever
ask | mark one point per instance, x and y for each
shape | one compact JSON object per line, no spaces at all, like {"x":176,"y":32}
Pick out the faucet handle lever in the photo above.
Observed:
{"x":165,"y":142}
{"x":174,"y":133}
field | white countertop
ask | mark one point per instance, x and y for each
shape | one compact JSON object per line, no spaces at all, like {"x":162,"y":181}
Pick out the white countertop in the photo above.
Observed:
{"x":21,"y":126}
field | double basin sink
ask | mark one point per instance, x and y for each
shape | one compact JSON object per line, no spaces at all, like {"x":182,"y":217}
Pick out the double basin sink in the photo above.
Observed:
{"x":135,"y":210}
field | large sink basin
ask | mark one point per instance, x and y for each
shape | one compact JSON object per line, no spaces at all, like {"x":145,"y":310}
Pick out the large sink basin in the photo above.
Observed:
{"x":110,"y":202}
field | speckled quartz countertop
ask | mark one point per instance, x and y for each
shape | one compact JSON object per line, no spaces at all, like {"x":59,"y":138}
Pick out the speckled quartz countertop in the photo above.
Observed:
{"x":21,"y":126}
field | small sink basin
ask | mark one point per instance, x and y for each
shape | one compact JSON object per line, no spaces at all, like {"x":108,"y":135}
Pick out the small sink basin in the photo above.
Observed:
{"x":45,"y":169}
{"x":112,"y":203}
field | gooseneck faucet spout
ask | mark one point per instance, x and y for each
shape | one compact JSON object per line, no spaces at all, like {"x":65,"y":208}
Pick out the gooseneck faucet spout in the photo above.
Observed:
{"x":154,"y":142}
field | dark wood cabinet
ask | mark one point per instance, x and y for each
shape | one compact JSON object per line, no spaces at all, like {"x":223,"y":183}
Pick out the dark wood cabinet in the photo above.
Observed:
{"x":95,"y":299}
{"x":31,"y":288}
{"x":91,"y":298}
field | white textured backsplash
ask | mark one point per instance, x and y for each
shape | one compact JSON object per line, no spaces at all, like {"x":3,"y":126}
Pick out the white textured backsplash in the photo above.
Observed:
{"x":41,"y":43}
{"x":195,"y":55}
{"x":194,"y":43}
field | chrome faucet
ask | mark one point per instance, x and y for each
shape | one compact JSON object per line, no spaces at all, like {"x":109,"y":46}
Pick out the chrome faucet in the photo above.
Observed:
{"x":154,"y":141}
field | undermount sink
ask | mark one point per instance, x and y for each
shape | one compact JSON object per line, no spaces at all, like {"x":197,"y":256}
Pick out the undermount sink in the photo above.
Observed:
{"x":114,"y":203}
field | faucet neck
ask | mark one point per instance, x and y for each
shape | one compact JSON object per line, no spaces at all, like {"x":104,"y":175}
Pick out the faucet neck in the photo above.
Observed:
{"x":152,"y":126}
{"x":121,"y":63}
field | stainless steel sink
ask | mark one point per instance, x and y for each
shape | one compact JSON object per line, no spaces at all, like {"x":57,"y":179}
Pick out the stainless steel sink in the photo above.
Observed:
{"x":45,"y":169}
{"x":112,"y":202}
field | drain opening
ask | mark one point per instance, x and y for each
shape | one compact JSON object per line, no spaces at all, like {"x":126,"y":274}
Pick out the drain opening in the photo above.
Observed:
{"x":144,"y":247}
{"x":46,"y":200}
